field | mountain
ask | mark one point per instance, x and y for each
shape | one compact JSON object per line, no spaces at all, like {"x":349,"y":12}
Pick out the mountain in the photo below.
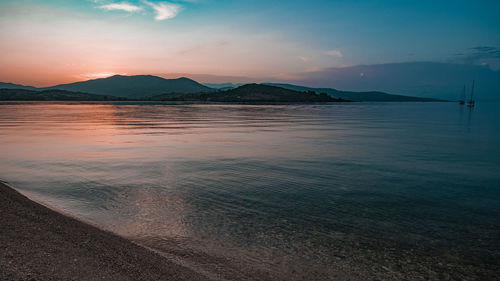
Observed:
{"x":354,"y":96}
{"x":416,"y":79}
{"x":252,"y":93}
{"x":50,"y":95}
{"x":419,"y":79}
{"x":134,"y":87}
{"x":4,"y":85}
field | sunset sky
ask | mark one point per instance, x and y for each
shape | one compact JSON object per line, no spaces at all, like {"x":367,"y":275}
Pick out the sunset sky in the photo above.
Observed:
{"x":58,"y":41}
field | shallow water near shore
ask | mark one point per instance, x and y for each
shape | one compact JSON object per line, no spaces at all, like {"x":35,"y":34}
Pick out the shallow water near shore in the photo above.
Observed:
{"x":265,"y":189}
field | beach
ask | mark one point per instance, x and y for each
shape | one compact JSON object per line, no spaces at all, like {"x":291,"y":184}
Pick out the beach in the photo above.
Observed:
{"x":37,"y":243}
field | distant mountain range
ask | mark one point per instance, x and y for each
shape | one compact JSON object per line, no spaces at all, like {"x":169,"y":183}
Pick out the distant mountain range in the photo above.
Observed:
{"x":406,"y":80}
{"x":147,"y":87}
{"x":15,"y":86}
{"x":135,"y":87}
{"x":353,"y":96}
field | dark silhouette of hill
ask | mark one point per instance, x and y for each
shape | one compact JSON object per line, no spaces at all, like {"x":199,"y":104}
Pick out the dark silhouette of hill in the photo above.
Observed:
{"x":50,"y":95}
{"x":354,"y":96}
{"x":143,"y":87}
{"x":4,"y":85}
{"x":252,"y":93}
{"x":134,"y":87}
{"x":247,"y":93}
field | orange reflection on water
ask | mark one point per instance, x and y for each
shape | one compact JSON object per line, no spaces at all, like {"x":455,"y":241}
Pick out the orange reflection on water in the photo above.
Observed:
{"x":111,"y":131}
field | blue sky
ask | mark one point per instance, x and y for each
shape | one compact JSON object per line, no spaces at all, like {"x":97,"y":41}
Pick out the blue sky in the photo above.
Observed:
{"x":90,"y":38}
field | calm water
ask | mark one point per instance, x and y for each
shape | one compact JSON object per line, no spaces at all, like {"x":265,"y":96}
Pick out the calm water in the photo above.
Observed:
{"x":268,"y":186}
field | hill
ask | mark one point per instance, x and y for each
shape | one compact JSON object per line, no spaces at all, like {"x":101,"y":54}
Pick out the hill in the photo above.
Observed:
{"x":134,"y":87}
{"x":252,"y":93}
{"x":49,"y":95}
{"x":4,"y":85}
{"x":354,"y":96}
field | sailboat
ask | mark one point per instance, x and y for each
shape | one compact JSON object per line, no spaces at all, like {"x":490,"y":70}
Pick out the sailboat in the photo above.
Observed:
{"x":471,"y":102}
{"x":462,"y":97}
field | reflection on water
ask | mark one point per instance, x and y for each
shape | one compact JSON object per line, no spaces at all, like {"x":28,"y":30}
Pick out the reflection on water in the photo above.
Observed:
{"x":271,"y":186}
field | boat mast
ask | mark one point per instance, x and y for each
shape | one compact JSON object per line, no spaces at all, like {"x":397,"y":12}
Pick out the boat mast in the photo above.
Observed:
{"x":472,"y":92}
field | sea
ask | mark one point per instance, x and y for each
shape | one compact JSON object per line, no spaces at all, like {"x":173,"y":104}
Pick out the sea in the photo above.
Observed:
{"x":273,"y":192}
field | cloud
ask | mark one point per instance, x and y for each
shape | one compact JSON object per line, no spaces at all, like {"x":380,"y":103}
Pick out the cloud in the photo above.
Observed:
{"x":485,"y":52}
{"x":164,"y":10}
{"x":304,"y":59}
{"x":313,"y":69}
{"x":478,"y":54}
{"x":98,"y":75}
{"x":287,"y":76}
{"x":121,"y":7}
{"x":335,"y":53}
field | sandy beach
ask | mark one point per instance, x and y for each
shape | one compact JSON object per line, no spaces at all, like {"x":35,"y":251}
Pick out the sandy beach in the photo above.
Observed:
{"x":37,"y":243}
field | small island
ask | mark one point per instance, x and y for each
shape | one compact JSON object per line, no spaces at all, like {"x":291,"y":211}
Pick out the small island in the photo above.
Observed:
{"x":252,"y":93}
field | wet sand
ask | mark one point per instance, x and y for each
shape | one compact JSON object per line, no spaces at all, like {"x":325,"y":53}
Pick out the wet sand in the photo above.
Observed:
{"x":37,"y":243}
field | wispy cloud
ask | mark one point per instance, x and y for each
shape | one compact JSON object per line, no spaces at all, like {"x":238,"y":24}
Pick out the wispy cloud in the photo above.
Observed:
{"x":98,"y":75}
{"x":314,"y":69}
{"x":485,"y":52}
{"x":479,"y":54}
{"x":121,"y":7}
{"x":304,"y":59}
{"x":287,"y":76}
{"x":164,"y":10}
{"x":335,"y":53}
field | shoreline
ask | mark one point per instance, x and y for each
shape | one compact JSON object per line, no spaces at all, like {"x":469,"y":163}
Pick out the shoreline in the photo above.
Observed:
{"x":41,"y":244}
{"x":188,"y":102}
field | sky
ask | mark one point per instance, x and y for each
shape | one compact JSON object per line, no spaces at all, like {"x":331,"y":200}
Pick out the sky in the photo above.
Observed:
{"x":47,"y":42}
